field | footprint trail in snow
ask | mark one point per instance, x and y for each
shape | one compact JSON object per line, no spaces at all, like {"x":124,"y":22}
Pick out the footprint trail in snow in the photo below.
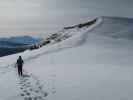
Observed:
{"x":31,"y":89}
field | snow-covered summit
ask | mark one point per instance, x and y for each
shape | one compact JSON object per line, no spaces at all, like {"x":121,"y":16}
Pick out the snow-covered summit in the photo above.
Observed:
{"x":115,"y":27}
{"x":88,"y":64}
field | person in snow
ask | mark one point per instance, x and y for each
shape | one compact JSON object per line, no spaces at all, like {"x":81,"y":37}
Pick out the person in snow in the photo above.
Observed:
{"x":19,"y":64}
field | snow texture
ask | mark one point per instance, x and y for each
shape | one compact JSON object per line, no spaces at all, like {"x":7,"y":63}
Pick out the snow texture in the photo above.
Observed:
{"x":90,"y":64}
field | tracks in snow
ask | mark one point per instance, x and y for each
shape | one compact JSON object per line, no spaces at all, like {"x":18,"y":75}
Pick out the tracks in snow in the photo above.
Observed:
{"x":31,"y":89}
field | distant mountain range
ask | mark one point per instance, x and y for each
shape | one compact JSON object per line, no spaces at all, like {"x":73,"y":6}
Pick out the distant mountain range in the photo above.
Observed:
{"x":18,"y":41}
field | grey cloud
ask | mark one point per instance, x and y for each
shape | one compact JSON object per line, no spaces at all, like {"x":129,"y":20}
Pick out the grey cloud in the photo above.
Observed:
{"x":35,"y":15}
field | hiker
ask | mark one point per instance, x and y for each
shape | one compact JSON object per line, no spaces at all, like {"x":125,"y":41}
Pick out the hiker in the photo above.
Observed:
{"x":19,"y":64}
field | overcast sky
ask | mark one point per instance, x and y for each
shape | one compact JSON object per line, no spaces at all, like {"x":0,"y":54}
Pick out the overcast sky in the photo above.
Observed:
{"x":42,"y":16}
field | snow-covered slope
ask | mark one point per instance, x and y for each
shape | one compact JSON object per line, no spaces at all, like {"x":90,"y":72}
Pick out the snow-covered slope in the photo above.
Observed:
{"x":87,"y":65}
{"x":115,"y":27}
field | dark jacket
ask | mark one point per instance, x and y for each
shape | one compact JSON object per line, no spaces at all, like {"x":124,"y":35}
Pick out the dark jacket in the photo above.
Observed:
{"x":20,"y":61}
